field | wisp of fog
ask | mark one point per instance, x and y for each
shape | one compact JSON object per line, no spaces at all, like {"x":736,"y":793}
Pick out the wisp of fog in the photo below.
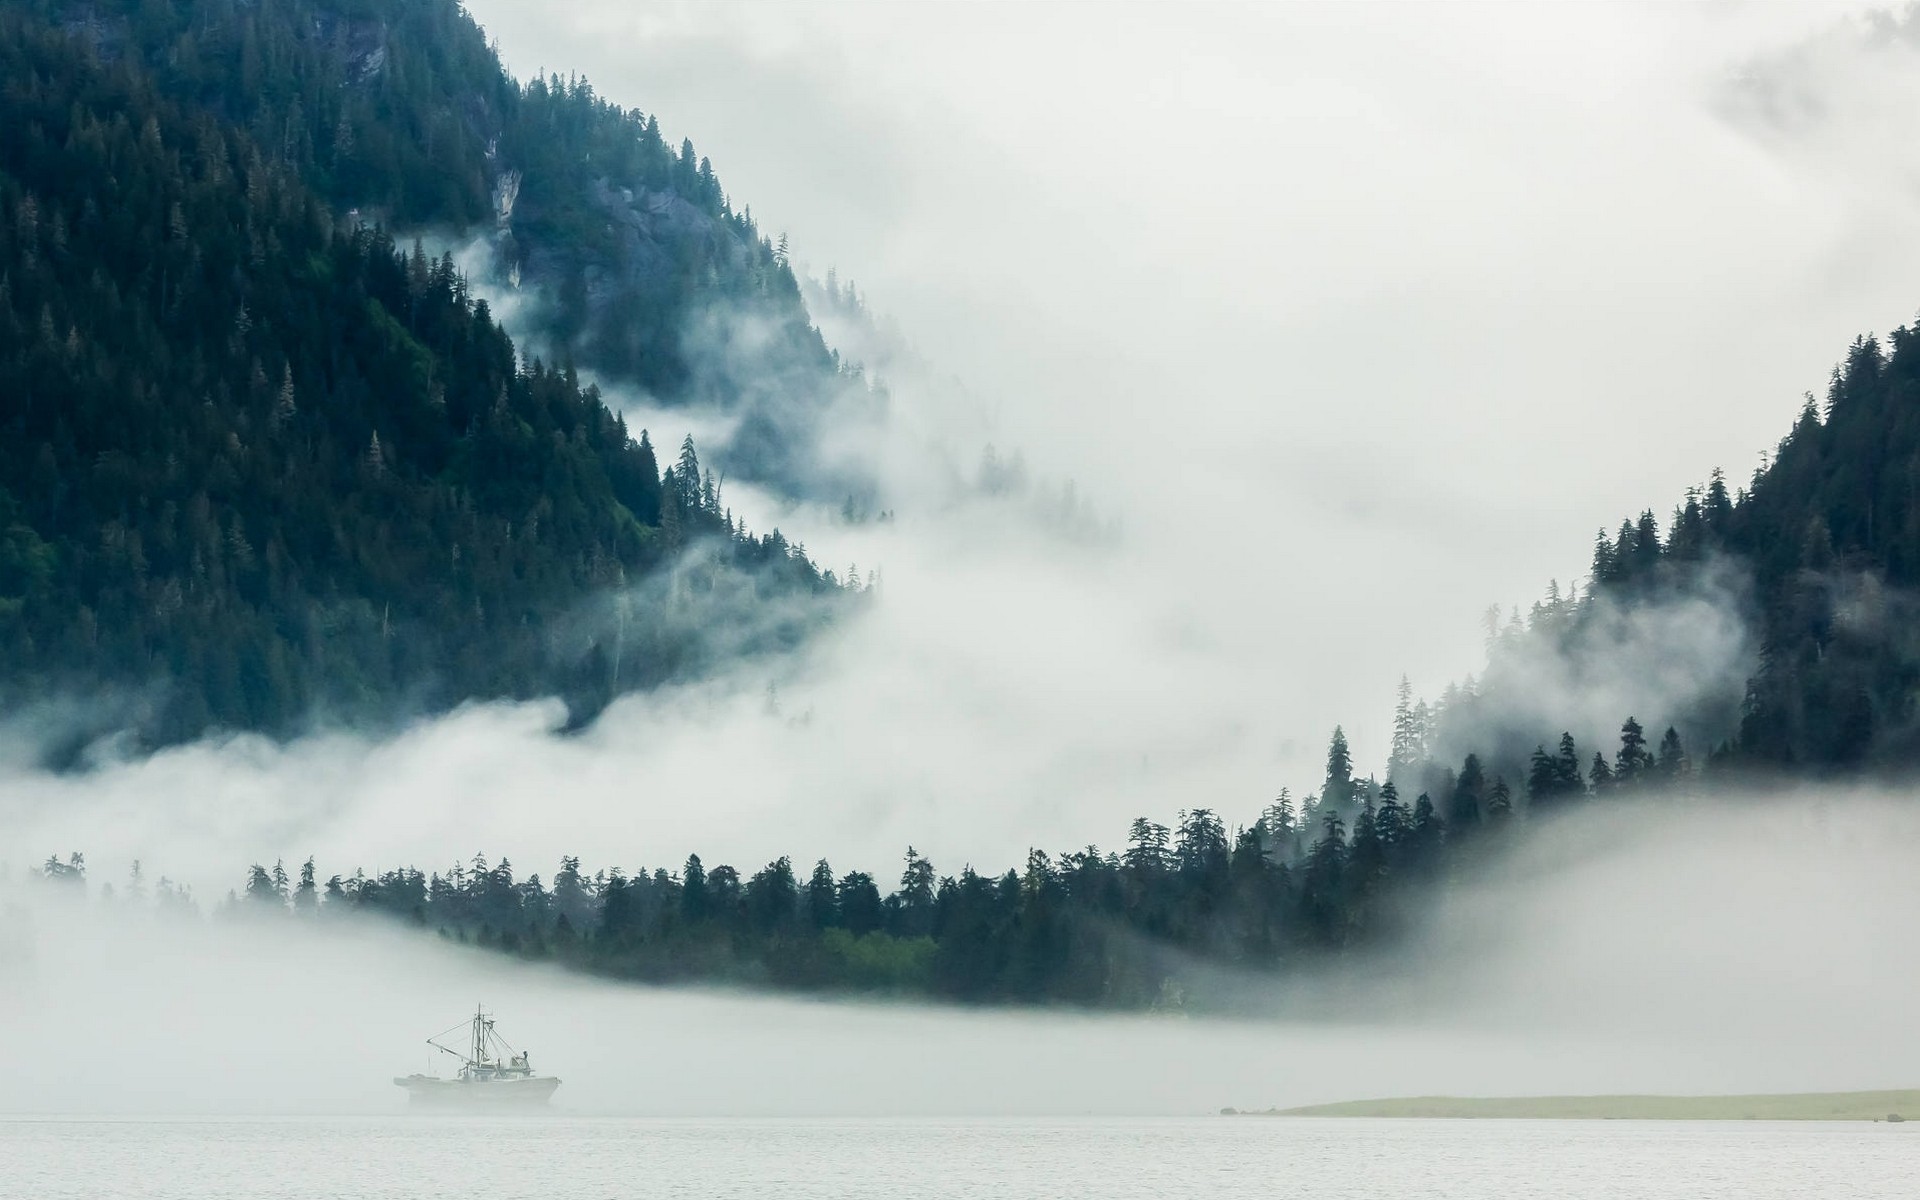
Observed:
{"x":1624,"y":950}
{"x":1343,"y":328}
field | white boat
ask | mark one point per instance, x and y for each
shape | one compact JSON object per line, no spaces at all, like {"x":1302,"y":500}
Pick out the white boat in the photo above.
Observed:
{"x":492,"y":1074}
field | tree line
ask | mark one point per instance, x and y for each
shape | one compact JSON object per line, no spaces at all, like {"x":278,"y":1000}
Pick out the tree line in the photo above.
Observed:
{"x":1349,"y":868}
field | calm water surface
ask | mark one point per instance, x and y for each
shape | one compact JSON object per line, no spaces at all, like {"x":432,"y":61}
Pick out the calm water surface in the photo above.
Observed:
{"x":52,"y":1159}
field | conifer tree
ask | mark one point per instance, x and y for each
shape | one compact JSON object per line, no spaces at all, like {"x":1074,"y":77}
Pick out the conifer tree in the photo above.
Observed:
{"x":306,"y":895}
{"x":1567,"y":776}
{"x":1632,"y":760}
{"x":694,"y":901}
{"x":1406,"y":750}
{"x":1499,"y":802}
{"x":1428,"y":831}
{"x":823,"y":904}
{"x":1671,"y":765}
{"x":1391,"y":820}
{"x":1600,"y":775}
{"x":1543,"y":783}
{"x":1464,"y":809}
{"x":1338,"y":789}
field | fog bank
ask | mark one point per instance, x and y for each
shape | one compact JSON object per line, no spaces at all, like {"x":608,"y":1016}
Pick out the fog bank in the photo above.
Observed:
{"x":1758,"y":946}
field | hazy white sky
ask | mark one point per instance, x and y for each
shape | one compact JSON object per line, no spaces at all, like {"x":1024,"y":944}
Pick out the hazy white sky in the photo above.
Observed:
{"x":1357,"y":319}
{"x":1396,"y":298}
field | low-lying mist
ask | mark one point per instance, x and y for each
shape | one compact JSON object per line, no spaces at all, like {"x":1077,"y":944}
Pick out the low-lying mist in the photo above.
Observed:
{"x":1738,"y":945}
{"x":1317,"y":434}
{"x":1292,"y":512}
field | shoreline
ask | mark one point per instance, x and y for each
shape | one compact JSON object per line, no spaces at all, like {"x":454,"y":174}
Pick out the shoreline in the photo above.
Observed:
{"x":1893,"y":1106}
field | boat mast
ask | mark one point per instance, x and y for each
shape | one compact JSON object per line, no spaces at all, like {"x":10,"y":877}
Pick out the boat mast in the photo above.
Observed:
{"x":479,"y":1054}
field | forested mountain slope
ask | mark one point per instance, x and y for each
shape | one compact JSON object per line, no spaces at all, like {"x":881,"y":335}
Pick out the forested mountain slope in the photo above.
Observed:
{"x":1816,"y":557}
{"x":639,"y":266}
{"x":1830,"y":529}
{"x":1818,"y":554}
{"x":255,"y":460}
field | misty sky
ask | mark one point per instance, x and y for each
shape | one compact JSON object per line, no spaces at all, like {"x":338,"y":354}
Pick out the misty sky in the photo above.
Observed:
{"x":1354,"y":319}
{"x":1396,"y":304}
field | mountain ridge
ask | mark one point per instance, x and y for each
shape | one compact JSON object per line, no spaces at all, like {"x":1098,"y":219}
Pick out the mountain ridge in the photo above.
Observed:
{"x":400,"y":111}
{"x":259,"y":455}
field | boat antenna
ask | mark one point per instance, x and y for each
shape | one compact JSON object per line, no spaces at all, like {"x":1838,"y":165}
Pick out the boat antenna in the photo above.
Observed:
{"x":480,"y":1024}
{"x":473,"y":1025}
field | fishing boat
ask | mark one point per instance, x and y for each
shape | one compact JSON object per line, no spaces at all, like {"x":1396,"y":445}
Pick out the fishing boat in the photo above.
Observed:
{"x":492,"y":1074}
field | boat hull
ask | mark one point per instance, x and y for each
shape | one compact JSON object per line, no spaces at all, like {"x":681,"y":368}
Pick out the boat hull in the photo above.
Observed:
{"x":430,"y":1092}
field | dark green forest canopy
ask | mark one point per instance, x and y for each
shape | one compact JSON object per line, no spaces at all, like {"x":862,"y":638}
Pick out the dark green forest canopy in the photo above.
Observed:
{"x":1182,"y":917}
{"x":1829,"y":532}
{"x":254,"y":454}
{"x":401,"y":111}
{"x":1815,"y":559}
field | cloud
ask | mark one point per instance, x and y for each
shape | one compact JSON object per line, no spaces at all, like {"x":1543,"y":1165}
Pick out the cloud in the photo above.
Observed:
{"x":1348,"y":327}
{"x":1678,"y":654}
{"x":1755,"y":944}
{"x":1354,"y":325}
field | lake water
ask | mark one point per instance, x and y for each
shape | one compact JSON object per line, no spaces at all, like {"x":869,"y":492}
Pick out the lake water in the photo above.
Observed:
{"x":1214,"y":1158}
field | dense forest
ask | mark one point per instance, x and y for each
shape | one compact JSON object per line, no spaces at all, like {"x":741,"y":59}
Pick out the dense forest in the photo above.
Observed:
{"x":259,"y":463}
{"x":1830,"y":530}
{"x":262,"y":461}
{"x":639,"y":264}
{"x":1816,"y":558}
{"x":1350,"y":868}
{"x":1823,"y":536}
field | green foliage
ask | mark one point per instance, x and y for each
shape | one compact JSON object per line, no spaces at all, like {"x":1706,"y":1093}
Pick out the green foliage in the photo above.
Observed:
{"x":397,"y":111}
{"x":255,"y":452}
{"x":1133,"y":929}
{"x":1829,"y":529}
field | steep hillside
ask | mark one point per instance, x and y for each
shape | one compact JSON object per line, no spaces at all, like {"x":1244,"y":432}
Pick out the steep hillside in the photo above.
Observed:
{"x":1775,"y":625}
{"x":1829,"y":530}
{"x":255,"y":462}
{"x":638,"y":265}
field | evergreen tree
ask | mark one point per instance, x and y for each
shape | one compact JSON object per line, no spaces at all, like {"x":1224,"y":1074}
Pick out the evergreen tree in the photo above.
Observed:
{"x":771,"y":897}
{"x":1338,"y":790}
{"x":261,"y":895}
{"x":1428,"y":833}
{"x":1277,"y":825}
{"x":1406,"y":749}
{"x":1201,"y":851}
{"x":1632,"y":760}
{"x":1499,"y":802}
{"x":1543,"y":778}
{"x":1606,"y":560}
{"x":1323,"y":886}
{"x":1671,"y":766}
{"x":306,"y":896}
{"x":1600,"y":775}
{"x":1366,"y":855}
{"x":1147,"y":848}
{"x":823,"y":902}
{"x":1567,"y":776}
{"x":859,"y":902}
{"x":695,"y":904}
{"x":1464,"y":810}
{"x":1392,"y":823}
{"x":916,"y":896}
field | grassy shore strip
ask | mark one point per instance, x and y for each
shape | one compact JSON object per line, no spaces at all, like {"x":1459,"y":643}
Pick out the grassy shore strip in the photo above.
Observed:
{"x":1794,"y":1106}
